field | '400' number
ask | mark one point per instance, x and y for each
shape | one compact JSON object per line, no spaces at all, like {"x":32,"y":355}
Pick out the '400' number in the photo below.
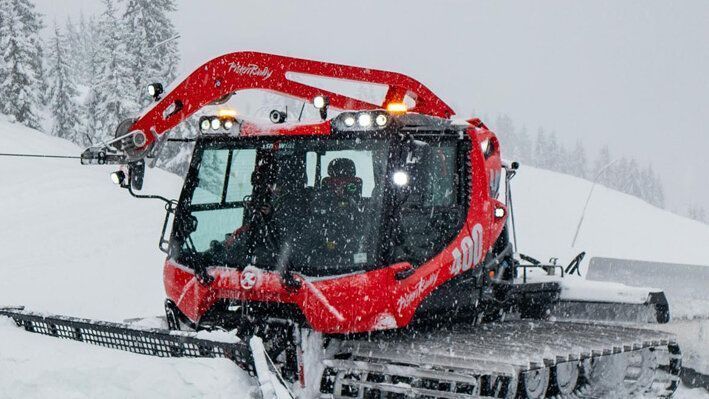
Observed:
{"x":470,"y":252}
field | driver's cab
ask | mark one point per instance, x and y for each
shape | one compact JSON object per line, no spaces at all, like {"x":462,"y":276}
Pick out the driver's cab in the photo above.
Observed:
{"x":337,"y":204}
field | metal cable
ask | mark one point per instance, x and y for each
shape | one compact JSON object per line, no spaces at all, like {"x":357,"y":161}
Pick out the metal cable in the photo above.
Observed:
{"x":40,"y":156}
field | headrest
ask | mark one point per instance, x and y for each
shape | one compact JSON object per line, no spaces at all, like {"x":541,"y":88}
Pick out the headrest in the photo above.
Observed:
{"x":341,"y":167}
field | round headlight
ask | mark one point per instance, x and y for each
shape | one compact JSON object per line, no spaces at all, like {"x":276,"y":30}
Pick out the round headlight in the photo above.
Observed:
{"x":381,"y":120}
{"x":319,"y":102}
{"x":400,"y":178}
{"x":499,"y":213}
{"x":349,"y":121}
{"x":228,"y":124}
{"x":485,"y":145}
{"x":364,"y":120}
{"x":204,"y":125}
{"x":118,"y":177}
{"x":216,"y":124}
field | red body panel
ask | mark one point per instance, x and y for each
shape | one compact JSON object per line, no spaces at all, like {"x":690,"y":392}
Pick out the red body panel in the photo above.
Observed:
{"x":233,"y":72}
{"x":339,"y":304}
{"x":366,"y":301}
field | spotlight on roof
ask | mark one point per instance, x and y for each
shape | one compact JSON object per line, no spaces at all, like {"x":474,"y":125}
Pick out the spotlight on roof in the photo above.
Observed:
{"x":277,"y":116}
{"x":118,"y":178}
{"x":155,"y":90}
{"x":321,"y":103}
{"x":365,"y":119}
{"x":397,"y":108}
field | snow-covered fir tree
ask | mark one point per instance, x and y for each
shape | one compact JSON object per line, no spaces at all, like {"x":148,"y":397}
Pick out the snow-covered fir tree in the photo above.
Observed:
{"x":634,"y":180}
{"x":602,"y":162}
{"x":90,"y":57}
{"x":698,"y":213}
{"x":89,"y":47}
{"x":541,"y":145}
{"x":4,"y":5}
{"x":547,"y":152}
{"x":32,"y":20}
{"x":652,"y":187}
{"x":72,"y":39}
{"x":155,"y":55}
{"x":525,"y":146}
{"x":62,"y":91}
{"x":555,"y":155}
{"x":21,"y":85}
{"x":505,"y":130}
{"x":152,"y":44}
{"x":112,"y":91}
{"x":576,"y":161}
{"x":617,"y":176}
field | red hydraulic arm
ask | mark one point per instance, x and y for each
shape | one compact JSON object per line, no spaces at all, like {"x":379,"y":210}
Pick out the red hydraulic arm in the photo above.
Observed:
{"x":233,"y":72}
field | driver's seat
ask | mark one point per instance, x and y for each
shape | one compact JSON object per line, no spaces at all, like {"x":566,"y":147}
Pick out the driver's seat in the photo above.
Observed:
{"x":342,"y":180}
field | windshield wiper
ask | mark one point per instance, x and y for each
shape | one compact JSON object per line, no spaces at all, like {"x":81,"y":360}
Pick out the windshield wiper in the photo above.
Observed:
{"x":282,"y":266}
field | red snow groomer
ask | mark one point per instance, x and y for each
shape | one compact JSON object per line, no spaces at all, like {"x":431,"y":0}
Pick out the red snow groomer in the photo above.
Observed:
{"x":385,"y":229}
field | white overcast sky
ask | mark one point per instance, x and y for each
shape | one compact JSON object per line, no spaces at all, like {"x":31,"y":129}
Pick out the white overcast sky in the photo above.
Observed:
{"x":633,"y":74}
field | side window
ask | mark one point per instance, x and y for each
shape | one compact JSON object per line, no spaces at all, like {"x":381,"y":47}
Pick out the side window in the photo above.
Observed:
{"x":213,"y":176}
{"x":224,"y":177}
{"x":242,"y":166}
{"x":212,"y":173}
{"x":443,"y":175}
{"x":430,"y":221}
{"x":215,"y":225}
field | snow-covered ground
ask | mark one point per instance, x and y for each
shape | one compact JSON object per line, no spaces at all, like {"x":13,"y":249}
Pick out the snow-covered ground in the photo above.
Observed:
{"x":548,"y":206}
{"x":73,"y":243}
{"x":35,"y":366}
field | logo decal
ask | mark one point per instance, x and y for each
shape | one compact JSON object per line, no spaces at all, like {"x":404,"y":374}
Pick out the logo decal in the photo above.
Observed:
{"x":423,"y":284}
{"x":250,"y":70}
{"x":248,"y":279}
{"x":472,"y":251}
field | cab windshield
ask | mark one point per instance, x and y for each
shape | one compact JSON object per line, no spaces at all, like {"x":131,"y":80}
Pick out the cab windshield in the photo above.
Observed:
{"x":313,"y":206}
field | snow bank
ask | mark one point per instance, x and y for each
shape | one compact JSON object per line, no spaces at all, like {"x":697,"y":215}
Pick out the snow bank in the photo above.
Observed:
{"x":548,"y":206}
{"x":71,"y":242}
{"x":35,"y":366}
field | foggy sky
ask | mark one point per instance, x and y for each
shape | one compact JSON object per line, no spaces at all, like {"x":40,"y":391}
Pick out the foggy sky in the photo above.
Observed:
{"x":632,"y":74}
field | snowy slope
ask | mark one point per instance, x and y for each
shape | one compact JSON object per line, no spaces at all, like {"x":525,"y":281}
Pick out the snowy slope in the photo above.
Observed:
{"x":71,"y":242}
{"x":548,"y":206}
{"x":34,"y":366}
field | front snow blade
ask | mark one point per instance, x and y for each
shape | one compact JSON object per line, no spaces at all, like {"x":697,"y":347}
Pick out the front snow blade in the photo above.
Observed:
{"x":152,"y":342}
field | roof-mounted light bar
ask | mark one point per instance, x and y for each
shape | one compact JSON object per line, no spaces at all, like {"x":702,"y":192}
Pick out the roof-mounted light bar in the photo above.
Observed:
{"x":223,"y":123}
{"x":361,"y":120}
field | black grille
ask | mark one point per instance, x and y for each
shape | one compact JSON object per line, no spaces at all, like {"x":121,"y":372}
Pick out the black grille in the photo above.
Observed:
{"x":152,"y":342}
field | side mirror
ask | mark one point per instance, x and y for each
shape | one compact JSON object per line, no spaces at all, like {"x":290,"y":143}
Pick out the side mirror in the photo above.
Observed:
{"x":136,"y":172}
